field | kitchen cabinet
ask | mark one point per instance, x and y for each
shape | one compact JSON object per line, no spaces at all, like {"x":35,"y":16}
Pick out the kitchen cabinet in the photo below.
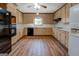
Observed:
{"x":67,"y":12}
{"x":13,"y":20}
{"x":55,"y":15}
{"x":61,"y":36}
{"x":63,"y":9}
{"x":3,"y":5}
{"x":55,"y":33}
{"x":63,"y":13}
{"x":67,"y":39}
{"x":53,"y":30}
{"x":60,"y":13}
{"x":42,"y":31}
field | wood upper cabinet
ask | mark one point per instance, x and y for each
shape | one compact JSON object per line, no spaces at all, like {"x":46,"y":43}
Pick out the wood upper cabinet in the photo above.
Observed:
{"x":55,"y":15}
{"x":13,"y":19}
{"x":63,"y":15}
{"x":3,"y":5}
{"x":67,"y":12}
{"x":60,"y":13}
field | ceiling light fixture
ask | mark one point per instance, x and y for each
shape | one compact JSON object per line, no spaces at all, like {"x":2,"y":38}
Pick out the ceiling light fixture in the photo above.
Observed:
{"x":36,"y":6}
{"x":37,"y":13}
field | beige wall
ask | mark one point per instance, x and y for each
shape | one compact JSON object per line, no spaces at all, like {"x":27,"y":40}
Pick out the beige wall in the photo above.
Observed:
{"x":19,"y":32}
{"x":47,"y":19}
{"x":29,"y":18}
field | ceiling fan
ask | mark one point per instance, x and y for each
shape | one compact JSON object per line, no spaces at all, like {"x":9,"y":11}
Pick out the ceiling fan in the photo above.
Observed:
{"x":37,"y":6}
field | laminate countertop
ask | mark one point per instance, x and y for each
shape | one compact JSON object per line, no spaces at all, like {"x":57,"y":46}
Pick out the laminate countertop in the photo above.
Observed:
{"x":41,"y":26}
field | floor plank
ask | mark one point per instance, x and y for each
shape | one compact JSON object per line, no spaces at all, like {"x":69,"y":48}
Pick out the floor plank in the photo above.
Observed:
{"x":38,"y":46}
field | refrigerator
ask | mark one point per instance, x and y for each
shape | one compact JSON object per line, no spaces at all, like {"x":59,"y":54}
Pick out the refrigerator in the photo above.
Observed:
{"x":74,"y":31}
{"x":5,"y":31}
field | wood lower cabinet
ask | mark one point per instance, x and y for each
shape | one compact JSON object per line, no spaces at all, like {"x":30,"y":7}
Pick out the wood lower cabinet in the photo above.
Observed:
{"x":42,"y":31}
{"x":67,"y":39}
{"x":61,"y":36}
{"x":55,"y":32}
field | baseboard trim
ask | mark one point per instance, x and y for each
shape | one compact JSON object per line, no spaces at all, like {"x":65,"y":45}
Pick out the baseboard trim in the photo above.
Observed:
{"x":18,"y":40}
{"x":61,"y":44}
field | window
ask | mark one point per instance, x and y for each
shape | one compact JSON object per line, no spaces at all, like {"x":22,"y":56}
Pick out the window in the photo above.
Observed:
{"x":38,"y":20}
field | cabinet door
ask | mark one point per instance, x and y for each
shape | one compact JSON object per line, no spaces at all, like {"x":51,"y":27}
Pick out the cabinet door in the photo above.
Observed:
{"x":55,"y":33}
{"x":67,"y":12}
{"x":63,"y":14}
{"x":59,"y":35}
{"x":67,"y":39}
{"x":52,"y":31}
{"x":3,"y":5}
{"x":60,"y":14}
{"x":63,"y":38}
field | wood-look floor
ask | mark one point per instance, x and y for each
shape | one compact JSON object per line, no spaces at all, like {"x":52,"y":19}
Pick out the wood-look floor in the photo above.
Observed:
{"x":38,"y":46}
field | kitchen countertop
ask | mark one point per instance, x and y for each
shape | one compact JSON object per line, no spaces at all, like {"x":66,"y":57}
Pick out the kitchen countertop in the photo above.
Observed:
{"x":63,"y":29}
{"x":41,"y":26}
{"x":38,"y":26}
{"x":67,"y":30}
{"x":75,"y":34}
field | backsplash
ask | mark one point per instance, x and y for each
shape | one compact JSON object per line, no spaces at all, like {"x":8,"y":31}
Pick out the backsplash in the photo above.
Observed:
{"x":62,"y":25}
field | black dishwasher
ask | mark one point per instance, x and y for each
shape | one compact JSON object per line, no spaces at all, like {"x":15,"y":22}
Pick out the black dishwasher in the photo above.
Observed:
{"x":30,"y":31}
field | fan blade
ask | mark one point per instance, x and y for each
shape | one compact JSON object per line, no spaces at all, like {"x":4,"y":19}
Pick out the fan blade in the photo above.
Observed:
{"x":43,"y":6}
{"x":29,"y":6}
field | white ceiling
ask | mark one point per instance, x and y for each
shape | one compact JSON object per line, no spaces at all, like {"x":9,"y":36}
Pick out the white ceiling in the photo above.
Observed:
{"x":51,"y":7}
